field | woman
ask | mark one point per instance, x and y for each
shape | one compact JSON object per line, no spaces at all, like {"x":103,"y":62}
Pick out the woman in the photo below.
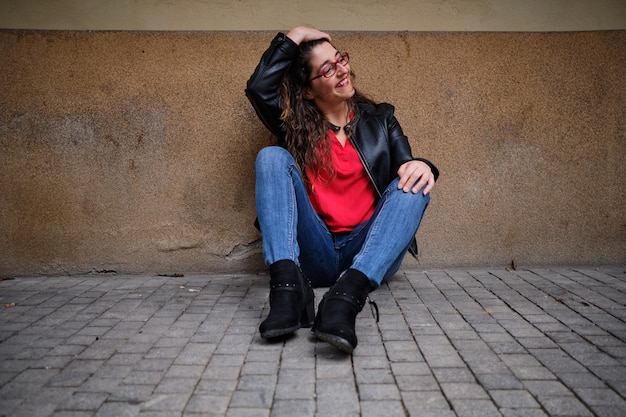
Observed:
{"x":340,"y":200}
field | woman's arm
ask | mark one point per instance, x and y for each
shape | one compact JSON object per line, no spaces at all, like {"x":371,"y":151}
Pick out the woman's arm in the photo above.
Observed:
{"x":262,"y":89}
{"x":304,"y":34}
{"x":414,"y":173}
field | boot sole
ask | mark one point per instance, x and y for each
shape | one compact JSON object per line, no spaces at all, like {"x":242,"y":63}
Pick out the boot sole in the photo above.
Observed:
{"x":338,"y":342}
{"x":274,"y":333}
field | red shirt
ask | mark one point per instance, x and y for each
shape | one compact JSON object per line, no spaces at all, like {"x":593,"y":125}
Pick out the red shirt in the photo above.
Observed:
{"x":349,"y":198}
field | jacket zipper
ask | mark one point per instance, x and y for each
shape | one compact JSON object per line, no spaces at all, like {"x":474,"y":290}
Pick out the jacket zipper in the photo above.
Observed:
{"x":357,"y":146}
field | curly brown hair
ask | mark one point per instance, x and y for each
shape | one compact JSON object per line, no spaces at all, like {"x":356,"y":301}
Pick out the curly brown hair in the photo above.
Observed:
{"x":306,"y":128}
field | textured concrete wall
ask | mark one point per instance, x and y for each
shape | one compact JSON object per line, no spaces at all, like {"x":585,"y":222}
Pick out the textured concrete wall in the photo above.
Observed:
{"x":133,"y":151}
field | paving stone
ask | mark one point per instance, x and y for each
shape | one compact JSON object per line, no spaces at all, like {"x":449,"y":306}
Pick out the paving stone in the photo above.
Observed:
{"x":381,"y":407}
{"x":486,"y":364}
{"x":546,"y":388}
{"x":260,"y":368}
{"x":176,"y":385}
{"x":533,"y":372}
{"x":513,"y":399}
{"x":433,"y":413}
{"x":196,"y":354}
{"x":444,"y":375}
{"x":522,"y":412}
{"x":127,"y":359}
{"x":69,"y":378}
{"x":463,"y":390}
{"x":334,"y":395}
{"x":71,"y":413}
{"x":291,"y":407}
{"x":382,"y":376}
{"x":144,"y":378}
{"x":601,"y":397}
{"x":84,"y":401}
{"x":167,"y":402}
{"x":418,"y":402}
{"x":618,"y":386}
{"x":35,"y":376}
{"x":243,"y":412}
{"x":417,"y":383}
{"x":360,"y":362}
{"x":475,"y":408}
{"x":608,"y":411}
{"x":205,"y":403}
{"x":334,"y":370}
{"x":297,"y":391}
{"x":504,"y":380}
{"x":565,"y":406}
{"x":118,"y":410}
{"x":133,"y":394}
{"x":32,"y":409}
{"x":420,"y":368}
{"x":185,"y":371}
{"x":382,"y":392}
{"x":252,"y":399}
{"x":104,"y":385}
{"x":257,"y":382}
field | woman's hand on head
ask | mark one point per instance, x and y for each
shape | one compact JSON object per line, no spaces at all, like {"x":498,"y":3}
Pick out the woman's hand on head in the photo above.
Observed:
{"x":305,"y":34}
{"x":415,"y":175}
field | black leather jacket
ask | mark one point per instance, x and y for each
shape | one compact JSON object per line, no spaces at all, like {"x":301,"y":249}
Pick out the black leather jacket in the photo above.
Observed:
{"x":377,"y":135}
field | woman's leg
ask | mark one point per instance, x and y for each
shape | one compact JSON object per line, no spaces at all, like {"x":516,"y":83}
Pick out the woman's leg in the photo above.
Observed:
{"x":389,"y":233}
{"x":290,"y":227}
{"x":292,"y":301}
{"x":380,"y":245}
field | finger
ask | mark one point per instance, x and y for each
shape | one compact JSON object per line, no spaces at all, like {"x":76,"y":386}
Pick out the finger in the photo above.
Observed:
{"x":402,"y":183}
{"x":407,"y":181}
{"x":401,"y":175}
{"x":423,"y":180}
{"x":429,"y":187}
{"x":413,"y":177}
{"x":415,"y":182}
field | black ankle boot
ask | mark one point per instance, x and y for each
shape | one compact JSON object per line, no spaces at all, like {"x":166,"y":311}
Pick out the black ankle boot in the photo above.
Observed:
{"x":338,"y":309}
{"x":292,"y":301}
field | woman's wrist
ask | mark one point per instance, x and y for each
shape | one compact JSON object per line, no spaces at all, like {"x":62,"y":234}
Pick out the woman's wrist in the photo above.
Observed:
{"x":295,"y":35}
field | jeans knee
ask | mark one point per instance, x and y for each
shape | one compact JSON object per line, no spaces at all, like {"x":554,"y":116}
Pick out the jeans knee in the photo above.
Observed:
{"x":272,"y":157}
{"x":409,"y":199}
{"x":417,"y":199}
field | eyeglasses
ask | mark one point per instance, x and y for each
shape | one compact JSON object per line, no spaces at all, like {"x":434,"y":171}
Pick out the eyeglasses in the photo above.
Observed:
{"x":330,"y":69}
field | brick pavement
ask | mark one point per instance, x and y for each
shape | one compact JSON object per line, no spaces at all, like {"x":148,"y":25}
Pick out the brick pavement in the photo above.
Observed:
{"x":528,"y":343}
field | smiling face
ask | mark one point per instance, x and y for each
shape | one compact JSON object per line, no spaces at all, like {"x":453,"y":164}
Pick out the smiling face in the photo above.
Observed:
{"x":332,"y":91}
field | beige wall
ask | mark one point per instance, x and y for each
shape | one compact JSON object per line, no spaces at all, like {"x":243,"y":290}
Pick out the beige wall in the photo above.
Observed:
{"x":355,"y":15}
{"x":133,"y":151}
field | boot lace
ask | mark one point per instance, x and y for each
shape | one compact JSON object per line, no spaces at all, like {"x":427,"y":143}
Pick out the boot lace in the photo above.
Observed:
{"x":374,"y":308}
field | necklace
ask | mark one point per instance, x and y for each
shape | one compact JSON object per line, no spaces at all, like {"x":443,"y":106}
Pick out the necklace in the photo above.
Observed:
{"x":336,"y":128}
{"x":347,"y":128}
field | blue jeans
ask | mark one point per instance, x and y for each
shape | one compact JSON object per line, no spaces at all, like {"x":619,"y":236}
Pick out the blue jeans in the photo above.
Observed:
{"x":291,"y":229}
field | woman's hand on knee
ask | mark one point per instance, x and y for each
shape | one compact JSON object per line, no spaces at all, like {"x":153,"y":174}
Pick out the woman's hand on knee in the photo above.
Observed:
{"x":415,"y":175}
